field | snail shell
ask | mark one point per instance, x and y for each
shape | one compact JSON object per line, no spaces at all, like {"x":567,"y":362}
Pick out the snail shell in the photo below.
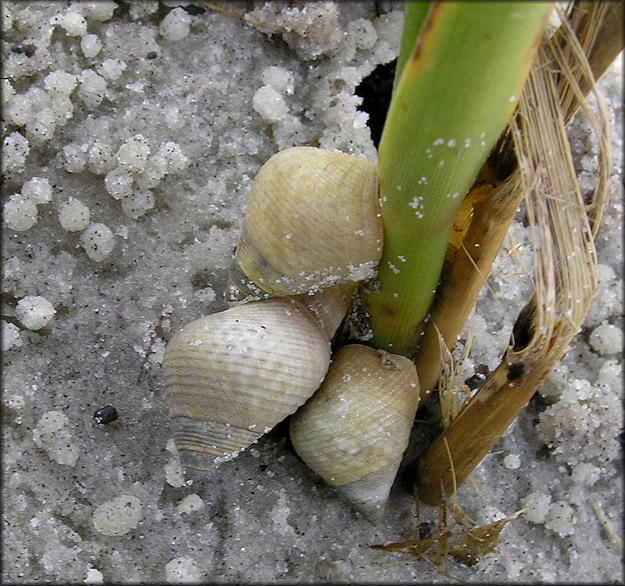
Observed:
{"x":232,"y":376}
{"x":312,"y":221}
{"x":355,"y":428}
{"x":330,"y":305}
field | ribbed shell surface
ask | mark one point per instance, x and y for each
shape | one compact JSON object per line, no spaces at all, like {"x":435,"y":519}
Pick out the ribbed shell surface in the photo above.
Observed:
{"x":238,"y":373}
{"x":360,"y":419}
{"x":312,"y":220}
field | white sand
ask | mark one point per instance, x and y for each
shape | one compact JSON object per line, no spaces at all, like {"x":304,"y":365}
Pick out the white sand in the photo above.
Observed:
{"x":130,"y":142}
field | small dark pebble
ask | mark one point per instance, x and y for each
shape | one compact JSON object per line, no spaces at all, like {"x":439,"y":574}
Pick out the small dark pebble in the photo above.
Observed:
{"x":482,"y":369}
{"x":543,"y":453}
{"x":152,"y":55}
{"x":106,"y":414}
{"x":28,"y":50}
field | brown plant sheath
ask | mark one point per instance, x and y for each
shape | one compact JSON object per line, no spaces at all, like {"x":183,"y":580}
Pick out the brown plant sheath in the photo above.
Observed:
{"x":466,"y":452}
{"x":476,"y":429}
{"x":605,"y":44}
{"x":462,"y":281}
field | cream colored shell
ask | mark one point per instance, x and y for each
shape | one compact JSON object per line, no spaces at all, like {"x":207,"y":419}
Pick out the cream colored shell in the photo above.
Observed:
{"x":232,"y":376}
{"x":355,"y":428}
{"x":312,"y":221}
{"x":330,"y":305}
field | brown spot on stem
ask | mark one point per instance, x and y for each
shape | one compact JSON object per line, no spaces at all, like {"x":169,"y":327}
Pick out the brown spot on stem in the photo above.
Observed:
{"x":388,"y":310}
{"x":515,"y":371}
{"x":428,"y":30}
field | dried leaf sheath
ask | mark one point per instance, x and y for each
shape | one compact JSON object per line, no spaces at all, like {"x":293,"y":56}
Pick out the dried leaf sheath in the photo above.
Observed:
{"x":565,"y":267}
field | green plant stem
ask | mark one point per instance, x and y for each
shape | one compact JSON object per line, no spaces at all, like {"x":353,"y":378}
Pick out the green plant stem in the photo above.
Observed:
{"x":415,"y":14}
{"x":462,"y":280}
{"x":453,"y":100}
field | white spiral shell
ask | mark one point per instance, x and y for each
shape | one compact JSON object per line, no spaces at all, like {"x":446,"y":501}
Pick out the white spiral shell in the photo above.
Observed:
{"x":232,"y":376}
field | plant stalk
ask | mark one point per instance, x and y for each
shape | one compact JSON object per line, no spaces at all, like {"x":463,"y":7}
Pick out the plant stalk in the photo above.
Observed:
{"x":453,"y":100}
{"x":473,"y":433}
{"x":463,"y":278}
{"x":415,"y":14}
{"x":565,"y":224}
